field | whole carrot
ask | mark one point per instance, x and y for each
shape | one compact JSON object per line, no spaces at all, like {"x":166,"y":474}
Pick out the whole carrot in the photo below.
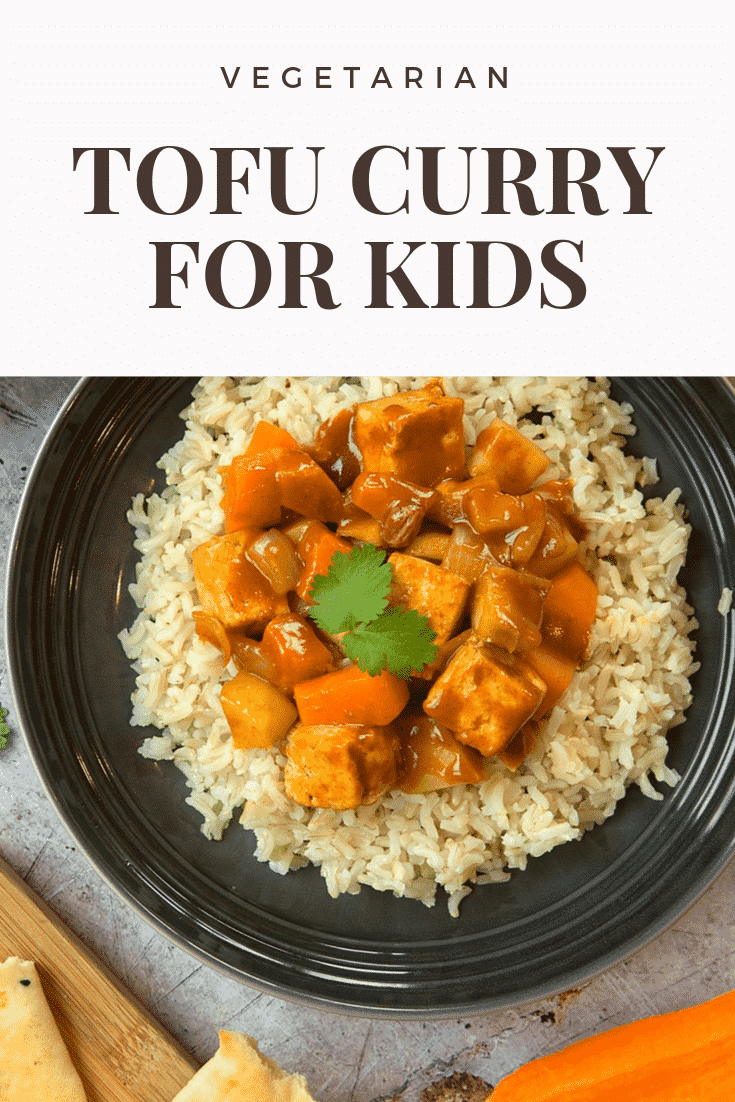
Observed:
{"x":685,"y":1056}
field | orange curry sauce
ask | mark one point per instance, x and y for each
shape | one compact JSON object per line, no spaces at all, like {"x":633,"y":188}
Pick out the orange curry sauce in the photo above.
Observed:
{"x":477,"y":543}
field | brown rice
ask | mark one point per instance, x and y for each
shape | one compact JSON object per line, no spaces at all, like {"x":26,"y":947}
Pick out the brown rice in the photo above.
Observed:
{"x":609,"y":731}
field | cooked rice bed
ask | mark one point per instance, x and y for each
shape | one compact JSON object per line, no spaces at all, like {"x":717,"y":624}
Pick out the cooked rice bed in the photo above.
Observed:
{"x":608,"y":731}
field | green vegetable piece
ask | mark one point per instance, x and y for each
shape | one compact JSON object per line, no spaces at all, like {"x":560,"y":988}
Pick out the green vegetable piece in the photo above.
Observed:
{"x":351,"y":598}
{"x":354,"y":590}
{"x":4,"y":729}
{"x":398,"y":640}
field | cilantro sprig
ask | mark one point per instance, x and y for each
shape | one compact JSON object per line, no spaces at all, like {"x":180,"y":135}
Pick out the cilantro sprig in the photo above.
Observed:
{"x":351,"y":600}
{"x":4,"y":729}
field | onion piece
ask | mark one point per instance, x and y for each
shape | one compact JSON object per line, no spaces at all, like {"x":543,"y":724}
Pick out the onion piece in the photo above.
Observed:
{"x":275,"y":557}
{"x":467,"y":553}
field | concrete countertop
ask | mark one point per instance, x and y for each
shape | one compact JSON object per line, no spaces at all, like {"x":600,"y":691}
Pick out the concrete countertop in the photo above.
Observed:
{"x":342,"y":1057}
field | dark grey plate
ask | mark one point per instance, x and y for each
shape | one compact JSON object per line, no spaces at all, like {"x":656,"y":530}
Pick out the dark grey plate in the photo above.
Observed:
{"x":573,"y":913}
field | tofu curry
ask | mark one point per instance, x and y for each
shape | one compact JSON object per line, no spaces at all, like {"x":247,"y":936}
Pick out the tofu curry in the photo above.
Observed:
{"x":478,"y":544}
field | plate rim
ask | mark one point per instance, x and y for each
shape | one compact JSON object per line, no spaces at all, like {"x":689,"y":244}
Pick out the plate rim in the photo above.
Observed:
{"x":582,"y":974}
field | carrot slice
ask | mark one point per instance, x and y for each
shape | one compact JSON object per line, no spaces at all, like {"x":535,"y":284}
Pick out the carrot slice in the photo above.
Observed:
{"x":351,"y":696}
{"x":269,"y":437}
{"x":251,"y":498}
{"x":275,"y":472}
{"x":316,"y":549}
{"x":304,"y":487}
{"x":570,"y":607}
{"x":297,"y":654}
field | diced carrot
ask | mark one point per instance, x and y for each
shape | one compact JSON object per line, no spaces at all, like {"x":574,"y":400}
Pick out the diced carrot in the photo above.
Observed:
{"x":251,"y":498}
{"x":269,"y":437}
{"x":259,"y":485}
{"x":351,"y":696}
{"x":297,"y":655}
{"x":316,"y":549}
{"x":556,"y":669}
{"x":570,"y":607}
{"x":304,"y":487}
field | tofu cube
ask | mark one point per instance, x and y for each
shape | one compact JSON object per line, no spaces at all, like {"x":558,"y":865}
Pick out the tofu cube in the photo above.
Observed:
{"x":417,"y":436}
{"x":340,"y":766}
{"x":485,"y":695}
{"x":438,"y":594}
{"x":230,"y":588}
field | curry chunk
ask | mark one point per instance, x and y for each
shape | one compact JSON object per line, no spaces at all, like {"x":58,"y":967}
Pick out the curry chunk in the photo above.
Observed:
{"x":417,"y":435}
{"x":485,"y":695}
{"x":356,"y":524}
{"x":507,"y":608}
{"x":340,"y":766}
{"x":257,"y":713}
{"x":505,"y":452}
{"x":297,"y":654}
{"x":438,"y":594}
{"x":230,"y":588}
{"x":434,"y":758}
{"x":399,"y":506}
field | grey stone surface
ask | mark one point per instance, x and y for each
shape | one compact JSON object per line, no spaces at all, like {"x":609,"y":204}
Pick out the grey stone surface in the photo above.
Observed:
{"x":342,"y":1057}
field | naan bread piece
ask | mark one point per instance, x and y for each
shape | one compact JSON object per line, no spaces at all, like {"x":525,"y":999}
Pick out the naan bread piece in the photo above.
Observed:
{"x":238,"y":1072}
{"x":34,"y":1062}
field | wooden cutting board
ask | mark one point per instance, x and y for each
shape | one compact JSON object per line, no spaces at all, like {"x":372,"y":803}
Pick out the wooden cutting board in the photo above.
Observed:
{"x":121,"y":1053}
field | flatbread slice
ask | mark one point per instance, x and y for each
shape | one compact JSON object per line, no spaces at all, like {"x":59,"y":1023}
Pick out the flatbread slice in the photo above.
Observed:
{"x":34,"y":1062}
{"x":238,"y":1072}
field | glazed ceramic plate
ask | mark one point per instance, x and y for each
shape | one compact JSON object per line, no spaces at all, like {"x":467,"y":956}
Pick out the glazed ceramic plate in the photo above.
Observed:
{"x":573,"y":913}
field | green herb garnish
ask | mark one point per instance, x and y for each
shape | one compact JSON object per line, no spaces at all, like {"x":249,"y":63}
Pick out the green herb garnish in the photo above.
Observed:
{"x":352,"y":600}
{"x":4,"y":729}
